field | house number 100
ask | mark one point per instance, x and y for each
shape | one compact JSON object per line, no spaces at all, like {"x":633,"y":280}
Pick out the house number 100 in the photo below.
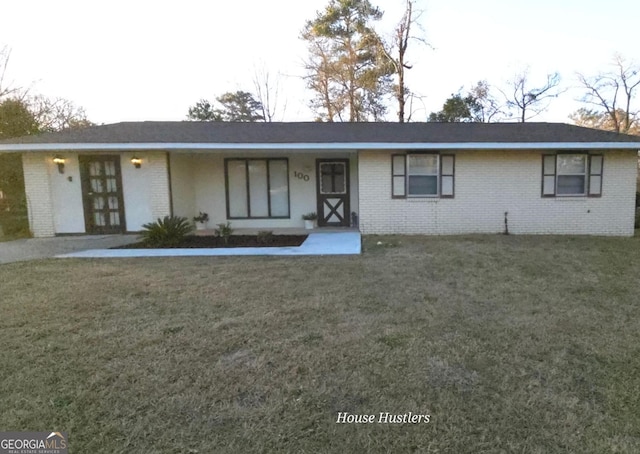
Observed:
{"x":301,"y":176}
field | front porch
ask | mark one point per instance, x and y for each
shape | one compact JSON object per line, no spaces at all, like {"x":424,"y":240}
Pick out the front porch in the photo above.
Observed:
{"x":267,"y":190}
{"x":119,"y":192}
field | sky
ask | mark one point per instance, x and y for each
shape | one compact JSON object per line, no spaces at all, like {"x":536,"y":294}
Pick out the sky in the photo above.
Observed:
{"x":138,"y":60}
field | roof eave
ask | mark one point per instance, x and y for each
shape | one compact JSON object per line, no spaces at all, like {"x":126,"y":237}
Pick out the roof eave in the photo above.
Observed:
{"x":34,"y":147}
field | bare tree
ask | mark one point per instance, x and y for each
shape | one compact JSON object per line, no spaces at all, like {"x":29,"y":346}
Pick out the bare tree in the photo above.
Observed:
{"x":528,"y":101}
{"x":598,"y":119}
{"x":56,"y":114}
{"x":267,"y":90}
{"x":4,"y":62}
{"x":614,"y":93}
{"x":396,"y":53}
{"x":5,"y":88}
{"x":50,"y":114}
{"x":487,"y":107}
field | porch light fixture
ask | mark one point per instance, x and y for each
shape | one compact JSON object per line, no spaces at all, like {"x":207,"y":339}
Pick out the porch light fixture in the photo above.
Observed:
{"x":59,"y":160}
{"x":137,"y":162}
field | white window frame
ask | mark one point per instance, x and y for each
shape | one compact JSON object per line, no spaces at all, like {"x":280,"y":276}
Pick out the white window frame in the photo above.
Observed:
{"x":584,"y":174}
{"x":436,"y":174}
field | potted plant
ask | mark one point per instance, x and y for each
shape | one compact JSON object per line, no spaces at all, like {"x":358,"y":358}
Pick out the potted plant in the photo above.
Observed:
{"x":201,"y":220}
{"x":309,"y":220}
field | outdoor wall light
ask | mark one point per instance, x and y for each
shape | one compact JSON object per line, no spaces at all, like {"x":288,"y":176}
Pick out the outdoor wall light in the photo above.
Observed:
{"x":59,"y":160}
{"x":137,"y":162}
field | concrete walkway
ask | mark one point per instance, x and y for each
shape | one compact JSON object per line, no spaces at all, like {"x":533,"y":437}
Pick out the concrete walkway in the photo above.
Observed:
{"x":40,"y":248}
{"x":335,"y":243}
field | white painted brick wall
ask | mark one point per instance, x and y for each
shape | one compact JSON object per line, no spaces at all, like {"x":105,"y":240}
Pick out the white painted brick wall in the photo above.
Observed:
{"x":159,"y":185}
{"x":146,"y":190}
{"x":38,"y":190}
{"x":490,"y":183}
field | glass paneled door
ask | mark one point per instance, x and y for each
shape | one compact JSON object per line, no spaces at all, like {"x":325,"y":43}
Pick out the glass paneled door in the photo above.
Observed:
{"x":102,"y":194}
{"x":333,"y":192}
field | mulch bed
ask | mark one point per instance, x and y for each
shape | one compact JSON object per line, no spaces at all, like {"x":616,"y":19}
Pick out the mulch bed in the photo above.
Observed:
{"x":193,"y":241}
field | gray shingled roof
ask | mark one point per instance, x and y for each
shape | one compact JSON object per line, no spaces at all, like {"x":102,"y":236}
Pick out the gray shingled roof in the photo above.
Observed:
{"x":320,"y":133}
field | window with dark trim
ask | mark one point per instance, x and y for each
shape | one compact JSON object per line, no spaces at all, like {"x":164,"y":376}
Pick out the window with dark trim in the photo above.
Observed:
{"x":595,"y":175}
{"x":572,"y":175}
{"x":398,"y":176}
{"x":257,"y":188}
{"x":422,"y":175}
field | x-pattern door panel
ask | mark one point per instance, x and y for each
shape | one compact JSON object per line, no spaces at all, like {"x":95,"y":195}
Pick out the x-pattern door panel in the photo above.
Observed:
{"x":333,"y":192}
{"x":102,"y":194}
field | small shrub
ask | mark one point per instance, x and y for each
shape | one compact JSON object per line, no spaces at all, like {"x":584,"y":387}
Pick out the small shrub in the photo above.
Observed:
{"x":637,"y":224}
{"x":265,"y":236}
{"x":224,"y":231}
{"x":310,"y":216}
{"x":166,"y":232}
{"x":201,"y":217}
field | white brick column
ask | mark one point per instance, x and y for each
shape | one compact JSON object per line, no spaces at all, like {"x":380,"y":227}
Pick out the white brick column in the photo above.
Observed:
{"x":37,"y":187}
{"x":159,"y":185}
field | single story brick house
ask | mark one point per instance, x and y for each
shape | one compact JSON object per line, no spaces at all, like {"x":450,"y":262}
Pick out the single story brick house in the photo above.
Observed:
{"x":412,"y":178}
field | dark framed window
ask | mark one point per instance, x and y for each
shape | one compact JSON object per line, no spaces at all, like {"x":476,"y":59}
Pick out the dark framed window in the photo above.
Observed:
{"x":398,"y":176}
{"x":595,"y":175}
{"x":447,"y":171}
{"x":422,"y":175}
{"x":572,"y":175}
{"x":257,"y":188}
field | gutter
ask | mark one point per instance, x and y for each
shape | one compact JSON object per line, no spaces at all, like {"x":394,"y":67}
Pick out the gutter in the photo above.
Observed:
{"x":328,"y":146}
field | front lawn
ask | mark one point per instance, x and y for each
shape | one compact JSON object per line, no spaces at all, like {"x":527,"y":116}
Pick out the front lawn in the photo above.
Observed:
{"x":509,"y":343}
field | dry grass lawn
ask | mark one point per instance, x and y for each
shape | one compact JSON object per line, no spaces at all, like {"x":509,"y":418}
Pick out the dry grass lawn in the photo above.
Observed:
{"x":511,"y":344}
